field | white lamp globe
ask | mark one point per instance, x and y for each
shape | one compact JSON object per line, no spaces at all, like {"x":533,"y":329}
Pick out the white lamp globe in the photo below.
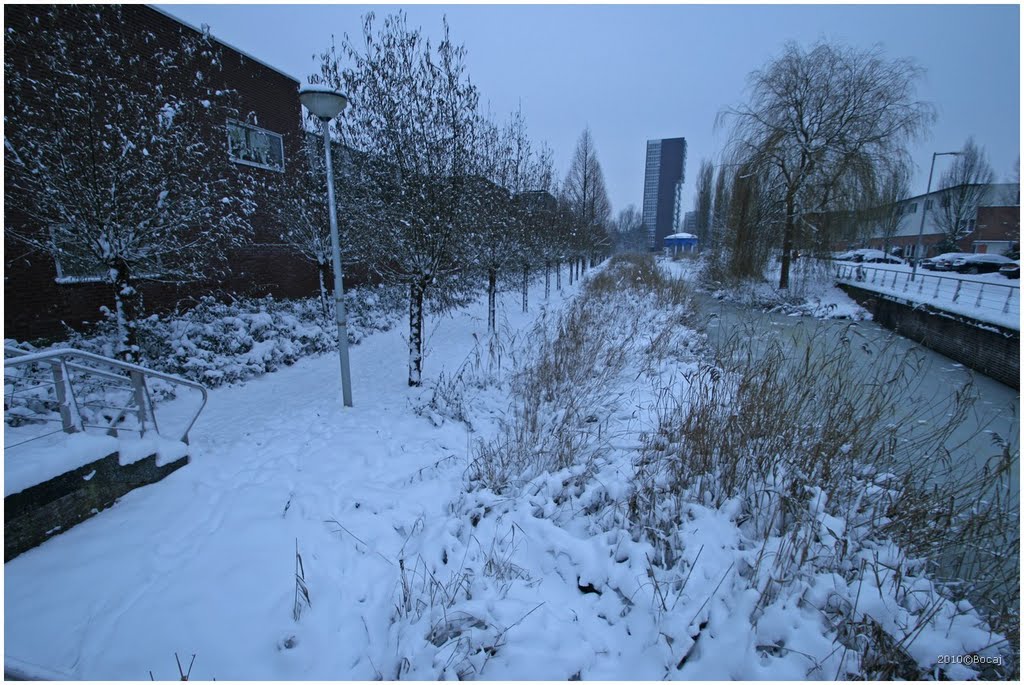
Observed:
{"x":322,"y":101}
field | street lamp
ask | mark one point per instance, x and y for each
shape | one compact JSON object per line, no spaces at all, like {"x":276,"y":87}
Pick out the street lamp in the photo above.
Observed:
{"x":325,"y":103}
{"x":920,"y":231}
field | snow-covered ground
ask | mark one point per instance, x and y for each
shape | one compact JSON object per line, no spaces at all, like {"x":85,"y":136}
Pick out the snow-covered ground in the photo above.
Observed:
{"x":419,"y":562}
{"x":204,"y":561}
{"x":991,"y":297}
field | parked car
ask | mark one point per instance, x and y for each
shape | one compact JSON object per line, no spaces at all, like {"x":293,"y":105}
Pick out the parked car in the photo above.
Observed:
{"x":1011,"y":270}
{"x":980,"y":263}
{"x":867,"y":255}
{"x":943,"y":261}
{"x":881,"y":258}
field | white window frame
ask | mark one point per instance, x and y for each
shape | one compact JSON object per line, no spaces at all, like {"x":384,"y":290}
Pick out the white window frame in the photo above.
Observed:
{"x":250,"y":129}
{"x":64,"y":278}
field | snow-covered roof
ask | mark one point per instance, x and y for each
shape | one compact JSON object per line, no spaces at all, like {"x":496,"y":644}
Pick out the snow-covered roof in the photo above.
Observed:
{"x":681,"y":236}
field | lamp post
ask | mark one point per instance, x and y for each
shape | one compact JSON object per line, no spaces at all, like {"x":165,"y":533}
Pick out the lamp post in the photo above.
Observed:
{"x":325,"y":103}
{"x":924,"y":210}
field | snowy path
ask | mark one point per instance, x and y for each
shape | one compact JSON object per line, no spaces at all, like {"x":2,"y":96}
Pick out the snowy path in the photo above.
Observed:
{"x":204,"y":561}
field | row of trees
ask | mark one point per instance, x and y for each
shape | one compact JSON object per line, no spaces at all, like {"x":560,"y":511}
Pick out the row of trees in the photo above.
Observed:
{"x":818,"y":157}
{"x":132,"y":183}
{"x":437,"y":196}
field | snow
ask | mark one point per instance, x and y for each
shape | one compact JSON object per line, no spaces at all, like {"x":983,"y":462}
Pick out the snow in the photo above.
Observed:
{"x":812,"y":292}
{"x":414,"y":569}
{"x":990,"y":298}
{"x":49,"y":457}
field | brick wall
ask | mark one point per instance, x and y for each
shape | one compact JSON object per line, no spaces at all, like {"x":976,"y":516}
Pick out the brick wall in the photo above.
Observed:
{"x":992,"y":350}
{"x":38,"y":307}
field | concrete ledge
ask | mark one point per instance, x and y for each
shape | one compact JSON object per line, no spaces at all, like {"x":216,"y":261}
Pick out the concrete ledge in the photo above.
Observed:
{"x":987,"y":348}
{"x":36,"y":514}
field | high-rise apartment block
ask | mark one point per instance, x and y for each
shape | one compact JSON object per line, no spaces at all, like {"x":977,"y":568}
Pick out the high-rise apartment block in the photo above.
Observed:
{"x":663,"y":185}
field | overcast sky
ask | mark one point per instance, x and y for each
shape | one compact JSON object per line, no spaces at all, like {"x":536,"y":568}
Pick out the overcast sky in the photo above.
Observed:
{"x":633,"y":73}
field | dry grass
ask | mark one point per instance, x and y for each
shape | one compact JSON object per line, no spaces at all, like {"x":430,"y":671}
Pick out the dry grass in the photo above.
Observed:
{"x":771,"y":420}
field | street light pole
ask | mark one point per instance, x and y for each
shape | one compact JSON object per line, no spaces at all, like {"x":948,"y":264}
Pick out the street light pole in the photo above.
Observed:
{"x":924,"y":210}
{"x":325,"y":103}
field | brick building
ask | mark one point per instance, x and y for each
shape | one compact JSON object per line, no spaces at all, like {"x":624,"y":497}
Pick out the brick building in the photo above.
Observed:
{"x":41,"y":299}
{"x":994,"y":228}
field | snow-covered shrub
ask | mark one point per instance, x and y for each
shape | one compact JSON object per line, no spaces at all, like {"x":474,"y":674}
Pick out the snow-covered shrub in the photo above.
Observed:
{"x":216,"y":342}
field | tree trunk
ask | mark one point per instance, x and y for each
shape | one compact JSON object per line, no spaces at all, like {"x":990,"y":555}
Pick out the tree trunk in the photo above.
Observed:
{"x":126,"y":311}
{"x":787,"y":241}
{"x":547,"y":279}
{"x":492,"y":288}
{"x":558,"y":275}
{"x":416,"y":293}
{"x":526,"y":288}
{"x":322,"y":269}
{"x":572,"y":267}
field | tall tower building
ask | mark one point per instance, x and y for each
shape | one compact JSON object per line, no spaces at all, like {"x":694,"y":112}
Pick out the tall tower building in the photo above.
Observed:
{"x":663,"y":185}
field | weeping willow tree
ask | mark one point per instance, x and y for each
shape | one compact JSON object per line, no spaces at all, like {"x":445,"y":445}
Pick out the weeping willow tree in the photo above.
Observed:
{"x":824,"y":123}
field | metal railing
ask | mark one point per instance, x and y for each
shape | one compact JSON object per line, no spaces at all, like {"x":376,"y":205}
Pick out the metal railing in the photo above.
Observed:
{"x":82,"y":392}
{"x":986,"y":300}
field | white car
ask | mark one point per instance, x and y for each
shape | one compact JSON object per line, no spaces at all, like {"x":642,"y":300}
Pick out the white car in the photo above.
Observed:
{"x":943,"y":261}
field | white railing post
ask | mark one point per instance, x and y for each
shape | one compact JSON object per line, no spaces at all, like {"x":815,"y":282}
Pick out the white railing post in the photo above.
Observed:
{"x":139,"y":391}
{"x":1009,"y":296}
{"x":70,"y":421}
{"x":981,"y":290}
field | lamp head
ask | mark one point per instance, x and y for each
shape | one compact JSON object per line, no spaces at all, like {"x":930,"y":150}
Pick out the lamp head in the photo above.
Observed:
{"x":322,"y":101}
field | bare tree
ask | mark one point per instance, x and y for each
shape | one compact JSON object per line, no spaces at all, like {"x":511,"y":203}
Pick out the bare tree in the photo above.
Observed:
{"x":720,"y":209}
{"x":630,"y":234}
{"x":963,"y":187}
{"x":890,"y":205}
{"x":825,"y":119}
{"x":120,"y":184}
{"x":413,"y":127}
{"x":585,"y":193}
{"x":300,"y":208}
{"x":702,"y":201}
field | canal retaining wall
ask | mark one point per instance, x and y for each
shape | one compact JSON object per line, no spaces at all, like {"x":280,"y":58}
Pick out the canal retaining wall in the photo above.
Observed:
{"x":986,"y":348}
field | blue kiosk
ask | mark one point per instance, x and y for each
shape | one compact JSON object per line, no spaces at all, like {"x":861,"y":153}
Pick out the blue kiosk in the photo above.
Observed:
{"x":680,"y":243}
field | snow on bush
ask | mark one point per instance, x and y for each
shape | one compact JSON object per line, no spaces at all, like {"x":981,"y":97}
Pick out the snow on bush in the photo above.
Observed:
{"x":216,"y":343}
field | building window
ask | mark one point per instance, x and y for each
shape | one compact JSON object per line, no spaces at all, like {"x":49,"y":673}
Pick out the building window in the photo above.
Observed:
{"x":912,"y":209}
{"x":255,"y":146}
{"x":73,"y":264}
{"x":928,"y":204}
{"x":76,"y":264}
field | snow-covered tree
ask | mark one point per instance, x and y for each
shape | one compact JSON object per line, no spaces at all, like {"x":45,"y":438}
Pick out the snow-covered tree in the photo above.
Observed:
{"x":412,"y":124}
{"x":115,"y":156}
{"x":584,"y":191}
{"x":823,"y":121}
{"x":301,"y":213}
{"x":964,"y":186}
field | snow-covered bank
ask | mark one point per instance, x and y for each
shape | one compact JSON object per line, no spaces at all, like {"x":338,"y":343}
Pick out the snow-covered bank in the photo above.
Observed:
{"x":811,"y":292}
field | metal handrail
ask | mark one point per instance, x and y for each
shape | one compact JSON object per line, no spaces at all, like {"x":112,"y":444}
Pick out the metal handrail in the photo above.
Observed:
{"x":848,"y":272}
{"x":59,"y":359}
